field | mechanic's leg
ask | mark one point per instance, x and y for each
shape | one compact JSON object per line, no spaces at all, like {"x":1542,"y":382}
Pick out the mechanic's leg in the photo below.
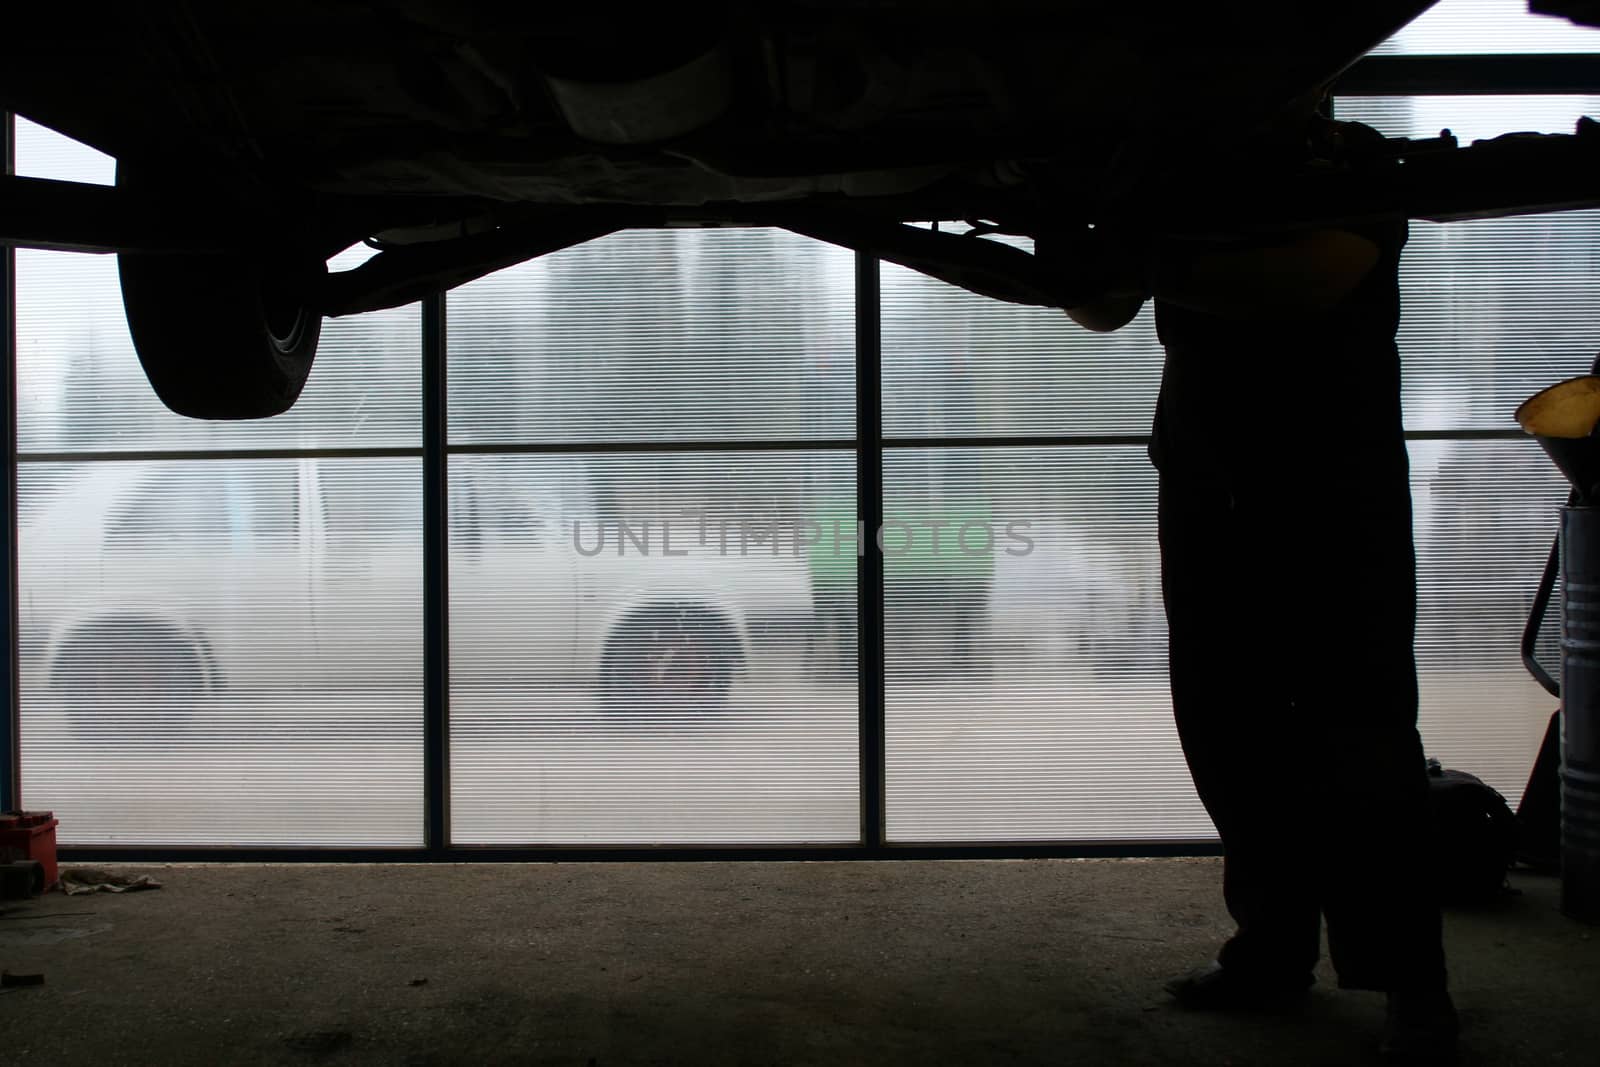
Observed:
{"x":1384,"y":929}
{"x":1241,"y":736}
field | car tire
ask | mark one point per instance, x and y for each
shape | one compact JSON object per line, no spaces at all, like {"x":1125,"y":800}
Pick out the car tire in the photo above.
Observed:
{"x":669,"y":660}
{"x":118,"y":671}
{"x":223,"y":336}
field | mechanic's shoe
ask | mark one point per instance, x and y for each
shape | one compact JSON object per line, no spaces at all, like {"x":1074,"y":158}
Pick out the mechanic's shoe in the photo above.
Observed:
{"x":1420,"y":1028}
{"x":1215,"y":988}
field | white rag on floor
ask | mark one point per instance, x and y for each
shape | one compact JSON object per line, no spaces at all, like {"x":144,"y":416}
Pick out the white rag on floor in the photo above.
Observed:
{"x":76,"y":880}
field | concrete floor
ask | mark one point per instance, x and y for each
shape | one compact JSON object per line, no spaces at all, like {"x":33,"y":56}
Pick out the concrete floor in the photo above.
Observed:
{"x":962,"y":962}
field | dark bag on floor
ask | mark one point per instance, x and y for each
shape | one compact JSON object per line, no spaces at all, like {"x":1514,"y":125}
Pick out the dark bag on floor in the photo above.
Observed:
{"x":1475,"y":837}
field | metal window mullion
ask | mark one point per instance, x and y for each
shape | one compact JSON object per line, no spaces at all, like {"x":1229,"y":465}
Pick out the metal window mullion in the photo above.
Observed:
{"x":10,"y":719}
{"x":1069,"y":440}
{"x":869,"y":570}
{"x":206,"y":455}
{"x":435,"y":583}
{"x":642,"y":853}
{"x":584,"y":446}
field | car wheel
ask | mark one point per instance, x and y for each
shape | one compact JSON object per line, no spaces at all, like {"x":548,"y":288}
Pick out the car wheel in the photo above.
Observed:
{"x":669,"y":660}
{"x":120,"y":673}
{"x":223,"y":336}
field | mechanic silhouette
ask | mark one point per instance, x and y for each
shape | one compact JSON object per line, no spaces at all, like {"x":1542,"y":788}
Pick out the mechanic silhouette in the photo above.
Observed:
{"x":1289,"y":578}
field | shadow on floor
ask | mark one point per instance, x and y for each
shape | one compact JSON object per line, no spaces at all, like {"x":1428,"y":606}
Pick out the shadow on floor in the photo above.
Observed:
{"x":947,"y":962}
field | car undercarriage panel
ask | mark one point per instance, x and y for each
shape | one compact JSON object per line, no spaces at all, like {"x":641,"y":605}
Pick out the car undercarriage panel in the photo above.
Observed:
{"x":469,"y":136}
{"x":780,"y":102}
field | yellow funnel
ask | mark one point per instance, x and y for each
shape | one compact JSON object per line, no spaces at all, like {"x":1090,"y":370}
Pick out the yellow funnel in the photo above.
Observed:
{"x":1563,"y":418}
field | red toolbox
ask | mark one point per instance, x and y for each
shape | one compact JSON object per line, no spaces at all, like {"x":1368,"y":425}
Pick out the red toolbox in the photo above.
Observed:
{"x":30,"y":835}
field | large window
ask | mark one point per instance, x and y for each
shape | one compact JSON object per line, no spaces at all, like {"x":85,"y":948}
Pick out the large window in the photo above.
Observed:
{"x":650,"y":479}
{"x":215,"y":649}
{"x":633,"y":650}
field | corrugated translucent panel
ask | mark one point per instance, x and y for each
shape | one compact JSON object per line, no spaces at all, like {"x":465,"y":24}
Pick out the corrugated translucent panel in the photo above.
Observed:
{"x":80,"y":386}
{"x":223,"y":652}
{"x":1026,"y":688}
{"x":1483,"y":26}
{"x":1027,"y":694}
{"x":1496,"y":309}
{"x":1486,"y":512}
{"x":659,"y":335}
{"x":636,"y":655}
{"x":43,"y":153}
{"x":958,"y":364}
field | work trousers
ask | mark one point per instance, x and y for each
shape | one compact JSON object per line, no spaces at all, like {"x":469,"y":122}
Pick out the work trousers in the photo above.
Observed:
{"x":1291,"y":606}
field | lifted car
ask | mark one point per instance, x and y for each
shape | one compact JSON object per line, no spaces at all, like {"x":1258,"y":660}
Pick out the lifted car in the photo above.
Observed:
{"x":257,"y":139}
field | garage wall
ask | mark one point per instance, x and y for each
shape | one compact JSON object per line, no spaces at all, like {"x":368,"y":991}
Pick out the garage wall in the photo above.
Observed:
{"x":221,"y":625}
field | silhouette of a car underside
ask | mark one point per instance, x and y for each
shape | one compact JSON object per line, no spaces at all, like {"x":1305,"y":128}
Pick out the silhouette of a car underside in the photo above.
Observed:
{"x":255,"y":140}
